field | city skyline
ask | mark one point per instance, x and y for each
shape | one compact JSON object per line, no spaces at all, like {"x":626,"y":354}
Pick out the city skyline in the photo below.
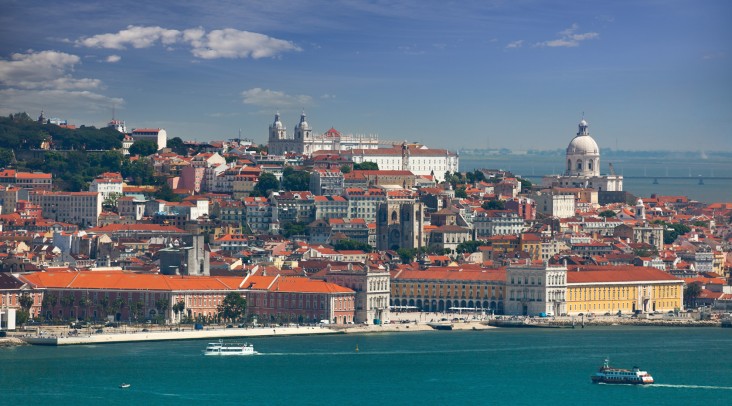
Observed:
{"x":520,"y":75}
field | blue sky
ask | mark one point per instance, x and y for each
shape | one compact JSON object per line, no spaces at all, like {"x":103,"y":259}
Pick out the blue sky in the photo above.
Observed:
{"x":515,"y":74}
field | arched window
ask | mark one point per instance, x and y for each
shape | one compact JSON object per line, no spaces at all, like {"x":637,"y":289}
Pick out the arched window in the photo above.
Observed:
{"x":589,"y":164}
{"x":393,"y":216}
{"x":579,"y":164}
{"x":569,"y":164}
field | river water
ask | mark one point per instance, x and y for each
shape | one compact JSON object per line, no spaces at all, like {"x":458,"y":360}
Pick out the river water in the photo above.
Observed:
{"x":692,"y":366}
{"x":639,"y":173}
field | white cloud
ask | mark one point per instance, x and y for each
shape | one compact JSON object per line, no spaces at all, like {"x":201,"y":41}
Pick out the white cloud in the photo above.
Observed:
{"x":273,"y":98}
{"x":57,"y":102}
{"x":328,"y":96}
{"x":135,"y":36}
{"x":113,"y":58}
{"x":43,"y":70}
{"x":231,"y":43}
{"x":568,"y":38}
{"x":225,"y":43}
{"x":35,"y":80}
{"x":515,"y":44}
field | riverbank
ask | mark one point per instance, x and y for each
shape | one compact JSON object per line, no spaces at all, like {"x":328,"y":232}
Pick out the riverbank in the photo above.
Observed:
{"x":56,"y":338}
{"x":400,"y":323}
{"x":602,"y":321}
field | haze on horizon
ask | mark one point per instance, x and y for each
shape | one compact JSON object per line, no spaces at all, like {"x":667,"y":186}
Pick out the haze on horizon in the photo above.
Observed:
{"x":648,"y":75}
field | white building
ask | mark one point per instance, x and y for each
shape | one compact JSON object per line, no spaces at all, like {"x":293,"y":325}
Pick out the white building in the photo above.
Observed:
{"x":81,"y":208}
{"x":553,"y":204}
{"x":157,"y":135}
{"x":487,"y":223}
{"x":583,"y":166}
{"x":533,"y":290}
{"x":107,"y":184}
{"x":303,"y":141}
{"x":418,"y":159}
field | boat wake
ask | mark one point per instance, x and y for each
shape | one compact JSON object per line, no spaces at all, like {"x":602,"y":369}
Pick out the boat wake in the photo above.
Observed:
{"x":662,"y":385}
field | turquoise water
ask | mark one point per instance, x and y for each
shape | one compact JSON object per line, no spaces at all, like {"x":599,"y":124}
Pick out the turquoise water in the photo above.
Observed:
{"x":498,"y":366}
{"x":688,"y":170}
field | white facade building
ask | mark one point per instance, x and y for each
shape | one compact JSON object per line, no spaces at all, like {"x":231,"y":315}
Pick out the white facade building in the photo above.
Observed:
{"x":418,"y":159}
{"x":533,"y":290}
{"x":583,"y":166}
{"x":157,"y":135}
{"x":304,"y":141}
{"x":553,"y":204}
{"x":81,"y":208}
{"x":487,"y":223}
{"x":107,"y":185}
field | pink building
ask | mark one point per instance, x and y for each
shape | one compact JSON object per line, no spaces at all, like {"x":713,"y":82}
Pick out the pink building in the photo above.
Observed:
{"x":191,"y":178}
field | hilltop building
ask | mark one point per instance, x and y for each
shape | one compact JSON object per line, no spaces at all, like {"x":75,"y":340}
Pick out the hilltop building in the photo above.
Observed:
{"x":303,"y":141}
{"x":583,"y":166}
{"x":156,"y":135}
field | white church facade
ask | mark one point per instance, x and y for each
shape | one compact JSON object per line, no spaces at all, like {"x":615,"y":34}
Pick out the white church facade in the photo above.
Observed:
{"x":304,"y":141}
{"x":583,"y":166}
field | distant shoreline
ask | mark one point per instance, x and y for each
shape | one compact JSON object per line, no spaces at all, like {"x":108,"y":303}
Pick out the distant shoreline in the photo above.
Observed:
{"x":59,"y":338}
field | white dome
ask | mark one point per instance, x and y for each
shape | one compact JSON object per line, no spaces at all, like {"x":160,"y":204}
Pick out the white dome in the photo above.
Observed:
{"x":583,"y":145}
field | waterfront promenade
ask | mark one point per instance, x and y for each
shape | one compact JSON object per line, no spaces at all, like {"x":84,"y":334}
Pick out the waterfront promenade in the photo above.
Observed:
{"x":52,"y":337}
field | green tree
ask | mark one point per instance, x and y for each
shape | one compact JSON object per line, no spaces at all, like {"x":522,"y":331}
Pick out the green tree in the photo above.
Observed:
{"x":103,"y":305}
{"x":140,"y":171}
{"x":267,"y":183}
{"x":366,"y":166}
{"x":162,"y":306}
{"x":67,"y":301}
{"x":48,"y":302}
{"x":22,"y":316}
{"x":525,"y":184}
{"x":7,"y":157}
{"x":461,"y":193}
{"x":294,"y":180}
{"x":494,"y":205}
{"x":672,"y":231}
{"x":137,"y":310}
{"x":179,"y":308}
{"x":233,"y":307}
{"x":176,"y":145}
{"x":26,"y":303}
{"x":469,"y":246}
{"x":345,"y":168}
{"x":117,"y":305}
{"x":165,"y":192}
{"x":294,"y":228}
{"x":406,"y":254}
{"x":348,"y":244}
{"x":692,"y":292}
{"x":607,"y":213}
{"x":144,"y":148}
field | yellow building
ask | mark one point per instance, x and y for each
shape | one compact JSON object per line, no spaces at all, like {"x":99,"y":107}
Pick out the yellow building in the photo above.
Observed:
{"x":626,"y":289}
{"x":441,"y":289}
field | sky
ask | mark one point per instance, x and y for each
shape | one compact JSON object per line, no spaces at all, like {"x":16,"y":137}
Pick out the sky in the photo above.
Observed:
{"x":646,"y":74}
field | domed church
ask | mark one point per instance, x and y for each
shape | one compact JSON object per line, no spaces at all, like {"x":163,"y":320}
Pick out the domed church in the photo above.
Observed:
{"x":583,"y":166}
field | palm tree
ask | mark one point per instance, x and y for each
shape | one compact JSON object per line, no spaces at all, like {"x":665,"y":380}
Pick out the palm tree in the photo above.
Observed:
{"x":84,"y":303}
{"x":67,"y":302}
{"x":137,"y":309}
{"x":49,"y":302}
{"x":26,"y":303}
{"x":179,"y":308}
{"x":117,"y":305}
{"x":162,"y":306}
{"x":104,"y":305}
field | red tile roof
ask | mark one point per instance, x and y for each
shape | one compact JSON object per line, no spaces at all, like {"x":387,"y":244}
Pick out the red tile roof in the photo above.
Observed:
{"x":617,"y":274}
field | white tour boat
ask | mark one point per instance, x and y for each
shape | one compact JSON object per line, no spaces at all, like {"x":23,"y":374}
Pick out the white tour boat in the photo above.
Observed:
{"x":222,"y":348}
{"x":608,"y":374}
